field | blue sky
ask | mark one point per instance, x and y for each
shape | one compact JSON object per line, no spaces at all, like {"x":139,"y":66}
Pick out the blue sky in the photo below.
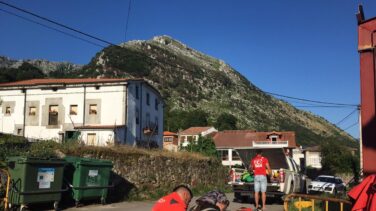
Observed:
{"x":306,"y":49}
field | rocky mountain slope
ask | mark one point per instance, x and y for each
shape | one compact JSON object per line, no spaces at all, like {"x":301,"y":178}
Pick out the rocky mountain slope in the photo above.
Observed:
{"x":44,"y":65}
{"x":189,"y":79}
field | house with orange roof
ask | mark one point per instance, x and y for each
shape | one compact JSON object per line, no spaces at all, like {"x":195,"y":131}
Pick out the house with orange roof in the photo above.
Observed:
{"x":227,"y":141}
{"x":170,"y":141}
{"x":193,"y":133}
{"x":99,"y":112}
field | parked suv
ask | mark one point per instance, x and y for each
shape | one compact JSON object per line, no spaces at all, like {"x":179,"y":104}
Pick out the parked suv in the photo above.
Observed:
{"x":286,"y":177}
{"x":327,"y":184}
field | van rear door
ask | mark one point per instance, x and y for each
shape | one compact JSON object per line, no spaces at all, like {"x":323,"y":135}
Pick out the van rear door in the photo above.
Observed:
{"x":276,"y":157}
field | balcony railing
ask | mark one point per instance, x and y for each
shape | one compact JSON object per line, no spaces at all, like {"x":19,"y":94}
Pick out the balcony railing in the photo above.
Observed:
{"x":270,"y":144}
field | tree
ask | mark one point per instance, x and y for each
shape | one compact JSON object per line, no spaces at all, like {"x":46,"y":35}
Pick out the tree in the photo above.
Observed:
{"x":28,"y":71}
{"x":23,"y":72}
{"x":337,"y":158}
{"x":180,"y":119}
{"x":226,"y":121}
{"x":204,"y":145}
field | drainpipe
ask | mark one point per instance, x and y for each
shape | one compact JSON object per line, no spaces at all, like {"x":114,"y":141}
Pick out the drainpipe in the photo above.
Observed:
{"x":126,"y":113}
{"x":140,"y":113}
{"x":84,"y":107}
{"x":24,"y":112}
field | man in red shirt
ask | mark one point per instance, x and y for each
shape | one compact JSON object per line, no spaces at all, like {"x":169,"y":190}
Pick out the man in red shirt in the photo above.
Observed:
{"x":260,"y":167}
{"x":178,"y":200}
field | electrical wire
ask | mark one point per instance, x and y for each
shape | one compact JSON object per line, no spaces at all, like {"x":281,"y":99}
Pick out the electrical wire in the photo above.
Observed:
{"x":51,"y":28}
{"x":56,"y":23}
{"x":346,"y":117}
{"x":350,"y":126}
{"x":321,"y":106}
{"x":312,"y":101}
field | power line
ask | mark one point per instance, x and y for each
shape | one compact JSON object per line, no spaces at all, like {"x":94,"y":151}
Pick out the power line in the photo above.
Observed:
{"x":321,"y":106}
{"x":51,"y":28}
{"x":342,"y":120}
{"x":350,"y":126}
{"x":56,"y":23}
{"x":127,"y":21}
{"x":312,"y":101}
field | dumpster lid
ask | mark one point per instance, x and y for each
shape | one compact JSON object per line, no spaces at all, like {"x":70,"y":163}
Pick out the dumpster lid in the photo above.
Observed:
{"x":35,"y":160}
{"x":88,"y":161}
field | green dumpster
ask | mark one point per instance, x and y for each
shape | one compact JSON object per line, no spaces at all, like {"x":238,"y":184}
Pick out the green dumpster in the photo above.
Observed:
{"x":88,"y":178}
{"x":35,"y":180}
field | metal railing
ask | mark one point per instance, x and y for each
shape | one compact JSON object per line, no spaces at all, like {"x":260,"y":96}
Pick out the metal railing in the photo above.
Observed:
{"x":311,"y":202}
{"x":270,"y":143}
{"x":6,"y":203}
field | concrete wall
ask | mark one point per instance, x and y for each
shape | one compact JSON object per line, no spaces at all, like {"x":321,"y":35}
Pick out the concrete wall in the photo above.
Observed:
{"x":145,"y":174}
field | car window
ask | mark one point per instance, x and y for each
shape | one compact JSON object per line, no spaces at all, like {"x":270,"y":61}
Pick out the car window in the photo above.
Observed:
{"x":325,"y":179}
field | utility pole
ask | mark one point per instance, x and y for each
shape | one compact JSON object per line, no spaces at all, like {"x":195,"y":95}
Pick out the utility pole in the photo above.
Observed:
{"x":360,"y":140}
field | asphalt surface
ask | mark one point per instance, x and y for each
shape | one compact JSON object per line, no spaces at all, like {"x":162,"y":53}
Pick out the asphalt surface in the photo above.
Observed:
{"x":147,"y":205}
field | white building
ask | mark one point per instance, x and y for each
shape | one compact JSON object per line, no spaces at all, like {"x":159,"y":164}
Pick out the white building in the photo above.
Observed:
{"x":99,"y":111}
{"x":193,"y":133}
{"x":313,"y":157}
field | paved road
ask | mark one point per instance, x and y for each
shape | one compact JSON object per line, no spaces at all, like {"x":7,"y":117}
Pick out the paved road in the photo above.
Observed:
{"x":147,"y":205}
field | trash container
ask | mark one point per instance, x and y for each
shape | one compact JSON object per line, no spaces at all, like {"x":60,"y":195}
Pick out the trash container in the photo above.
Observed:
{"x":35,"y":180}
{"x":88,"y":178}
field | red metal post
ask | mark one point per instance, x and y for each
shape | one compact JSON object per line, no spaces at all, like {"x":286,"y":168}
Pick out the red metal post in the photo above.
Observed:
{"x":367,"y":51}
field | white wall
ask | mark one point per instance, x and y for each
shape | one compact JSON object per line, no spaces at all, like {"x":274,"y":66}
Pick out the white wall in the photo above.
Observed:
{"x":8,"y":122}
{"x":135,"y":131}
{"x":102,"y":137}
{"x":313,"y":159}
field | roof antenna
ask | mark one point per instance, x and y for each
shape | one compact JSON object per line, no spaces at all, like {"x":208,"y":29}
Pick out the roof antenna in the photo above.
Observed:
{"x":360,"y":14}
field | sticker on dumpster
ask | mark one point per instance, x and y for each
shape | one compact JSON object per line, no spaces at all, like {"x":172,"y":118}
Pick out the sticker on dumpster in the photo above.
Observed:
{"x":45,"y":177}
{"x":93,"y":173}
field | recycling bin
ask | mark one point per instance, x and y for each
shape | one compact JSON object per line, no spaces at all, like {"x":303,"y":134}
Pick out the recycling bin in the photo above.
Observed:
{"x":88,"y":178}
{"x":35,"y":180}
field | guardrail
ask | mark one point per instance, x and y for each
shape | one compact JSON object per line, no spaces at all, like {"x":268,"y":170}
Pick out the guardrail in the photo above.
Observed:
{"x":311,"y":203}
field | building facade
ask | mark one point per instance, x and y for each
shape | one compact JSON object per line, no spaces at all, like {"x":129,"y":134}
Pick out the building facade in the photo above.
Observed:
{"x":99,"y":112}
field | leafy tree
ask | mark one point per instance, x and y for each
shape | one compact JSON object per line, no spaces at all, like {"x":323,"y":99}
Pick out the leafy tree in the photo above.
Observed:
{"x":23,"y":72}
{"x":204,"y":145}
{"x":180,"y":119}
{"x":336,"y":158}
{"x":226,"y":121}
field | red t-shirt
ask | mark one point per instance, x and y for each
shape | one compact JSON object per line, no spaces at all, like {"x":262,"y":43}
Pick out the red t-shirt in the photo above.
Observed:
{"x":171,"y":202}
{"x":258,"y":164}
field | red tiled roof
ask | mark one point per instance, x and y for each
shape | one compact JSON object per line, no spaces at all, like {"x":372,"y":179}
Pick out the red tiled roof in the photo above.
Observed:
{"x":194,"y":130}
{"x":51,"y":81}
{"x":244,"y":138}
{"x":98,"y":127}
{"x":168,"y":133}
